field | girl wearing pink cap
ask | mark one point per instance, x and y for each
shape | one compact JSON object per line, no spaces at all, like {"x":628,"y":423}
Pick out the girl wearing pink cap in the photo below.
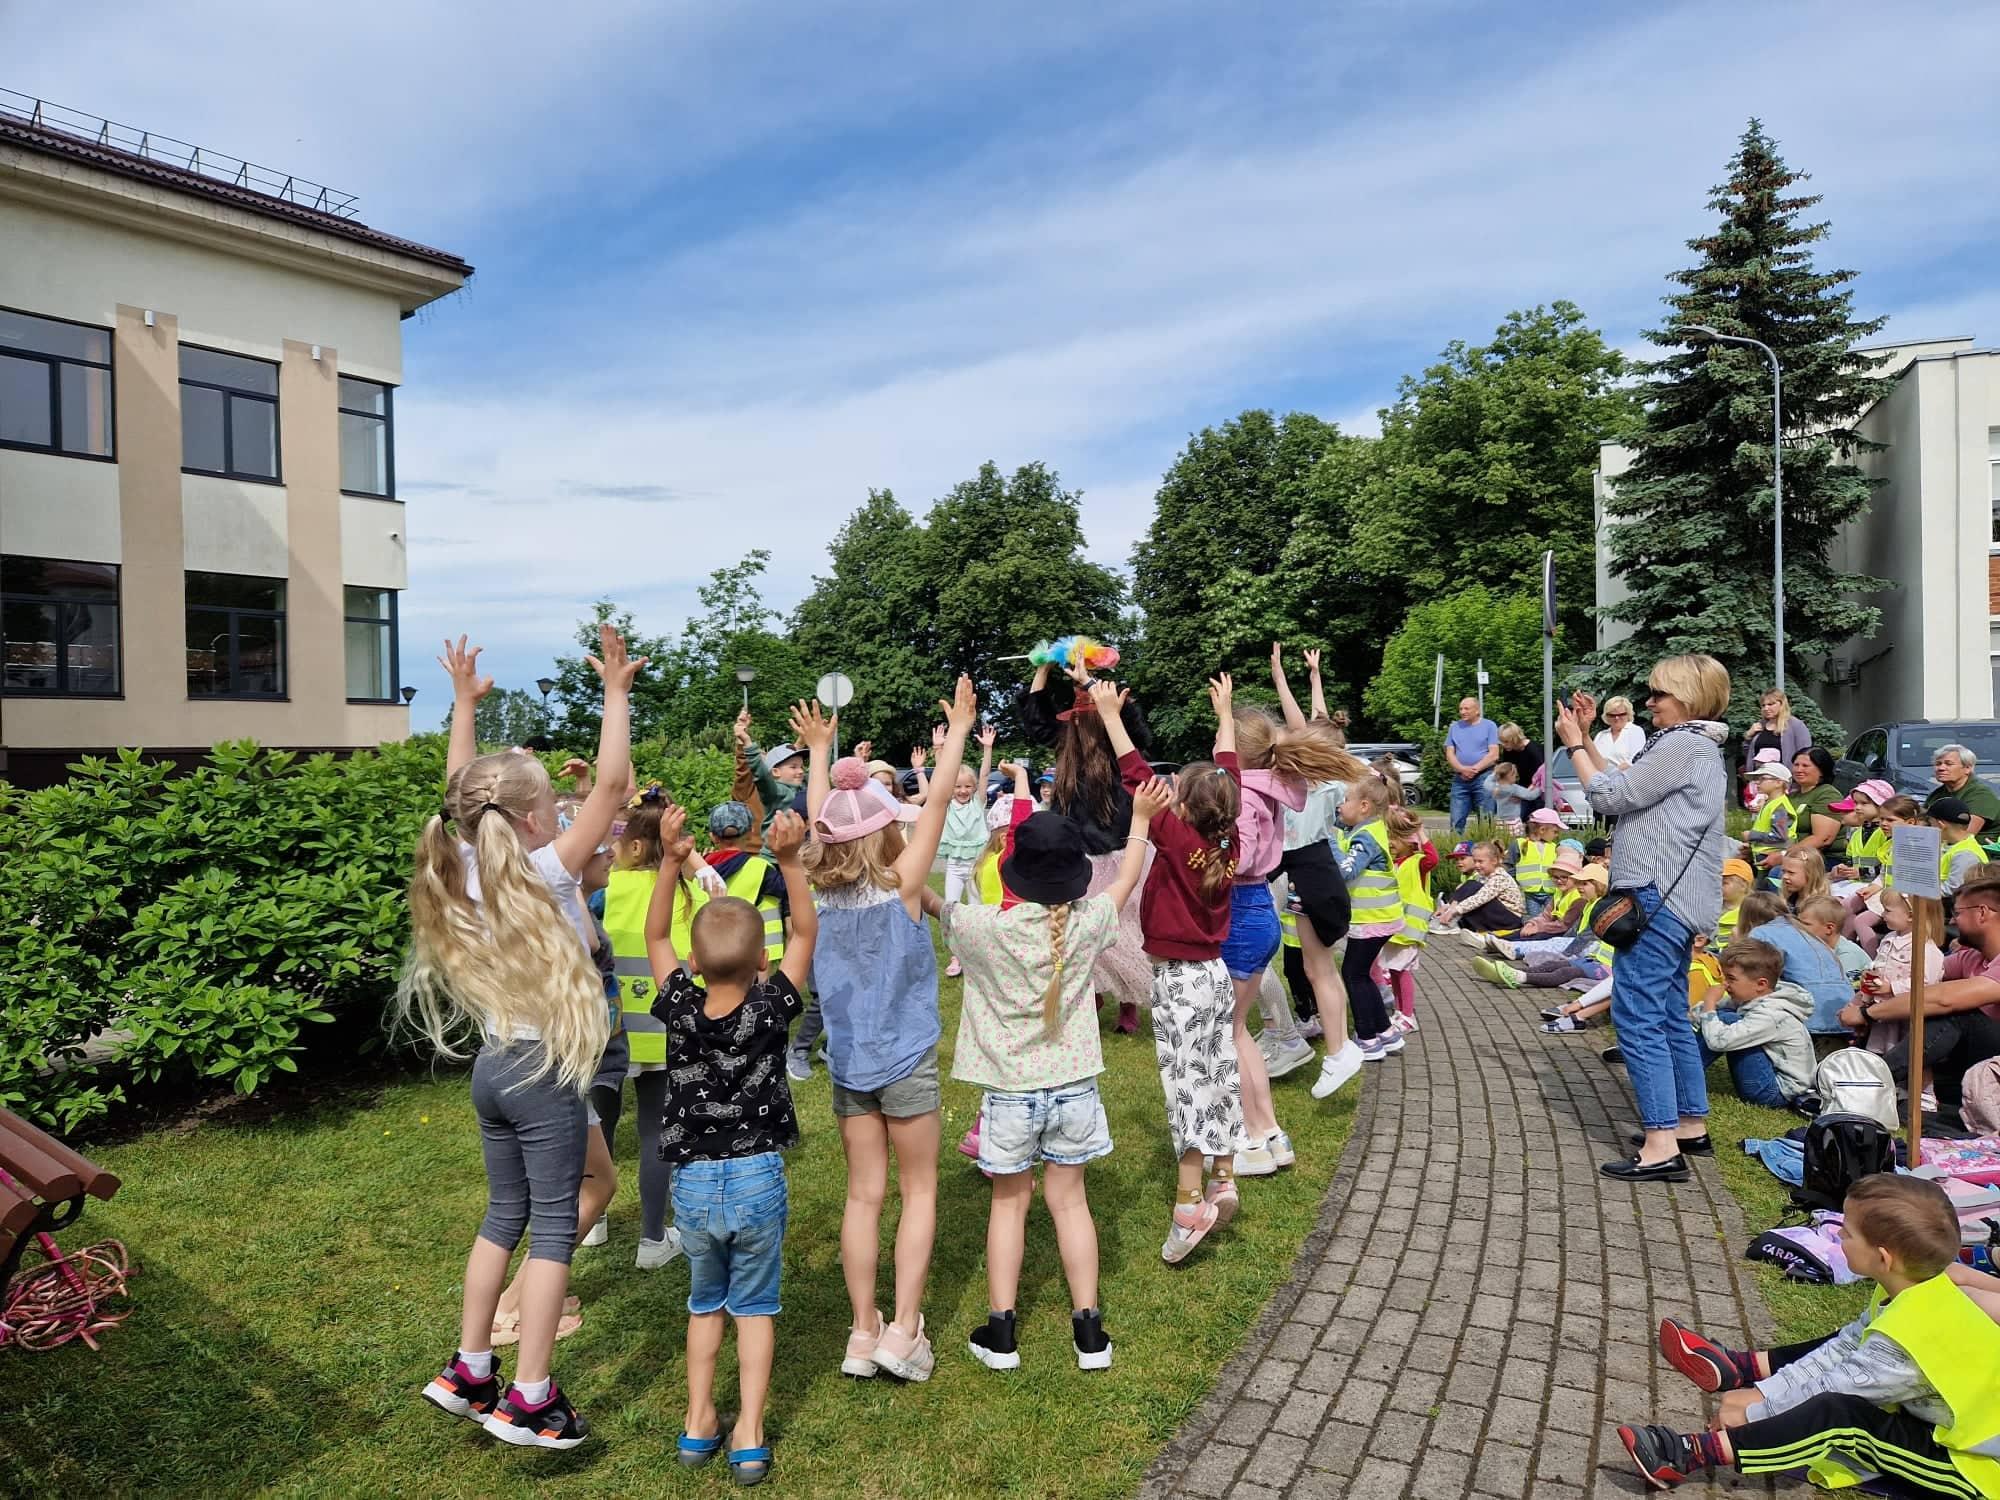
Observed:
{"x":876,"y":975}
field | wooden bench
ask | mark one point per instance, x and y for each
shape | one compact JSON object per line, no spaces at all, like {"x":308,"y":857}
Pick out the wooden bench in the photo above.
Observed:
{"x":43,"y":1189}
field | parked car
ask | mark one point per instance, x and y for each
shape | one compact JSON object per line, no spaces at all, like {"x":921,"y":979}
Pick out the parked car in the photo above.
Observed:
{"x":1901,"y":753}
{"x":1405,"y":756}
{"x":1569,"y":799}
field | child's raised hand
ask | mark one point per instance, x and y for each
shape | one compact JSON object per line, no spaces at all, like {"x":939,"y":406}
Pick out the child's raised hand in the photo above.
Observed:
{"x":743,"y":729}
{"x":1221,"y":694}
{"x":1312,"y":658}
{"x":612,"y":663}
{"x":575,"y":766}
{"x":675,"y":845}
{"x":937,"y":730}
{"x":1277,"y":656}
{"x":788,"y":832}
{"x":1152,"y":799}
{"x":864,"y":749}
{"x":986,"y":736}
{"x":463,"y":665}
{"x":810,"y":727}
{"x":1012,"y":768}
{"x":918,"y":757}
{"x":962,"y":711}
{"x":1105,"y":697}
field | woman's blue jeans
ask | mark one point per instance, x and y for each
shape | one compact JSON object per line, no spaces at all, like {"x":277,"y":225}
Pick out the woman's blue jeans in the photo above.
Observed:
{"x":1649,"y":986}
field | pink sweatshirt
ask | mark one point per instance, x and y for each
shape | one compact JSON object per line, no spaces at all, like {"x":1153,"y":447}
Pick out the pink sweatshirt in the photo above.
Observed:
{"x":1260,"y":823}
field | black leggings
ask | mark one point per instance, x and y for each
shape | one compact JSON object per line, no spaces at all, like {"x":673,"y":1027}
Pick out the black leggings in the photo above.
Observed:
{"x":1364,"y":995}
{"x":1857,"y":1433}
{"x":1303,"y":1002}
{"x":650,"y":1091}
{"x":609,"y":1102}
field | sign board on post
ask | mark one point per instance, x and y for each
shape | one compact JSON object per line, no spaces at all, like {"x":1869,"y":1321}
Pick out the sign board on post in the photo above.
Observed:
{"x":1916,"y":852}
{"x":835,"y":692}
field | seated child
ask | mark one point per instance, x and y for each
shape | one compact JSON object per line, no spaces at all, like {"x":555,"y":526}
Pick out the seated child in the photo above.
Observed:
{"x":1825,"y":916}
{"x":1532,"y":860}
{"x":1962,"y":854}
{"x":1590,"y":882}
{"x":1889,"y":974}
{"x":1904,"y":1398}
{"x":1560,"y":917}
{"x":728,"y":1122}
{"x":1704,"y":970}
{"x":1491,"y":903}
{"x":1508,"y":797}
{"x":1737,"y":878}
{"x":1763,"y":1032}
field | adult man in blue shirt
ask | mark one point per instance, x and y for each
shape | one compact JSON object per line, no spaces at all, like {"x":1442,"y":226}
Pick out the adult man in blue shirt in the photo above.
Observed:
{"x":1471,"y":747}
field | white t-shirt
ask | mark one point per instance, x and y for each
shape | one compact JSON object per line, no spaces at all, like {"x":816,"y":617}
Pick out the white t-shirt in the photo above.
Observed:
{"x":1619,"y":750}
{"x":567,"y":890}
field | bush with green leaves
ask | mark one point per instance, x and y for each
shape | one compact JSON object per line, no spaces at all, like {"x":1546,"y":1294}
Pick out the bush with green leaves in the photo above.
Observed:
{"x":200,"y":923}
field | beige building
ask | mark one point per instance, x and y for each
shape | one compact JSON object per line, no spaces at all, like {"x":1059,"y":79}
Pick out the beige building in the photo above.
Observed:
{"x":1932,"y":530}
{"x":200,"y":538}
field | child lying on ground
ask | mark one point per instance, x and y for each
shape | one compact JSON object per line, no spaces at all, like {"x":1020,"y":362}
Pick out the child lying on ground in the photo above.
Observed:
{"x":1905,"y":1398}
{"x":1551,"y":963}
{"x":1704,"y":971}
{"x":1762,"y":1030}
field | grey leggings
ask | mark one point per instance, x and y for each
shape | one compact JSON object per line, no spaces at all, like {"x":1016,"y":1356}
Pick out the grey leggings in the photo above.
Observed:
{"x":650,"y":1092}
{"x":533,"y":1138}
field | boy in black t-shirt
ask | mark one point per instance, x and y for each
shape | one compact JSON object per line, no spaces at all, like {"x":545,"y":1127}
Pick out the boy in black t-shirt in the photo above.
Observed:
{"x":728,"y":1117}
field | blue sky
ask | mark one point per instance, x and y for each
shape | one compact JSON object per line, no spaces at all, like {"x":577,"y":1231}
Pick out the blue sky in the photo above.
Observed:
{"x":739,"y":263}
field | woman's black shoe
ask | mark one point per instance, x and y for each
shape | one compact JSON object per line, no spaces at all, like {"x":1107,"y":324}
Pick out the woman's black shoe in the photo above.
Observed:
{"x":1612,"y":1055}
{"x":1699,"y":1145}
{"x":1673,"y":1169}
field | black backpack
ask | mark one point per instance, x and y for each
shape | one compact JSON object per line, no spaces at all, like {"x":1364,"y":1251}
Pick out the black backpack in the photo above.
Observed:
{"x":1841,"y":1149}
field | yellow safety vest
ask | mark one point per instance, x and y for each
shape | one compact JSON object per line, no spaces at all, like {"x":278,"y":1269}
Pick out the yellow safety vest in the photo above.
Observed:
{"x":1768,"y":814}
{"x":1888,"y":863}
{"x":986,"y":874}
{"x":1725,"y":925}
{"x":1599,"y":951}
{"x":1375,"y":897}
{"x":626,"y":899}
{"x":1288,"y":927}
{"x":1967,"y":845}
{"x":1534,"y":860}
{"x":1957,"y":1348}
{"x":1560,"y":907}
{"x":1864,"y":844}
{"x":747,"y":883}
{"x":1418,"y":906}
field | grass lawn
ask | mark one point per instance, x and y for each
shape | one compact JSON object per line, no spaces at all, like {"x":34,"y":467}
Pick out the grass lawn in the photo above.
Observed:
{"x":301,"y":1280}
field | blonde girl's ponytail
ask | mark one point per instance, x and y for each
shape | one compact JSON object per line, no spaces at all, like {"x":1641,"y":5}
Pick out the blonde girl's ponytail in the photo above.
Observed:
{"x":1052,"y":996}
{"x":512,"y":963}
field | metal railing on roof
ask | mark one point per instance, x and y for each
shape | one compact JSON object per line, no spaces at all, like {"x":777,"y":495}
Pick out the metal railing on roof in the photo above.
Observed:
{"x":182,"y":155}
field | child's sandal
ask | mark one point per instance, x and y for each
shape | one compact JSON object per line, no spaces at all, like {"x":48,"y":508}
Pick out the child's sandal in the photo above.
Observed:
{"x":750,"y":1466}
{"x":507,"y":1326}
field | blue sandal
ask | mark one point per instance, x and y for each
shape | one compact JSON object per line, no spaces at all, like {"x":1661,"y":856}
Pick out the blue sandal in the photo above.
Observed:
{"x":693,"y":1452}
{"x":750,"y":1466}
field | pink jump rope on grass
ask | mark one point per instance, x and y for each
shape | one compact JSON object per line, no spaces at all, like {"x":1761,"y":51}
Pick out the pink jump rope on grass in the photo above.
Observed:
{"x":64,"y":1300}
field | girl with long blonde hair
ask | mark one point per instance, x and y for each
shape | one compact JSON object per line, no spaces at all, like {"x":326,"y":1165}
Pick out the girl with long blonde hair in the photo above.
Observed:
{"x":499,"y":959}
{"x":1027,"y":1035}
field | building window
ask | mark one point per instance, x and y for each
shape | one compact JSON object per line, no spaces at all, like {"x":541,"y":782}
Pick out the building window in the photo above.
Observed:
{"x":235,"y":636}
{"x":229,"y":415}
{"x":371,"y":645}
{"x":1993,"y":477}
{"x":367,"y":438}
{"x":55,"y":386}
{"x":58,"y":628}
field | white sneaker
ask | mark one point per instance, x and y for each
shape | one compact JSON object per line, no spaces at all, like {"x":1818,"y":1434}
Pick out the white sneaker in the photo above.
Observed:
{"x":1403,"y":1023}
{"x":798,"y":1069}
{"x":600,"y":1231}
{"x":656,"y":1253}
{"x":1376,"y":1048}
{"x":1439,"y":929}
{"x":1475,"y":939}
{"x":1337,"y":1069}
{"x":1289,"y":1059}
{"x":1280,"y":1146}
{"x":1504,"y":949}
{"x":1256,"y":1161}
{"x":1311,"y":1030}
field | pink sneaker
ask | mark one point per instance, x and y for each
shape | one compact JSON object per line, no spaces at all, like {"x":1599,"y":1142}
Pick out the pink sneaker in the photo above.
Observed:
{"x":1403,"y":1023}
{"x":1191,"y":1222}
{"x":859,"y":1360}
{"x":1223,"y":1197}
{"x":905,"y":1356}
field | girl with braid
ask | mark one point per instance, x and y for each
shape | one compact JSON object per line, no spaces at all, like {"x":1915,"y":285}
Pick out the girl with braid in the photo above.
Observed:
{"x":1027,"y":1034}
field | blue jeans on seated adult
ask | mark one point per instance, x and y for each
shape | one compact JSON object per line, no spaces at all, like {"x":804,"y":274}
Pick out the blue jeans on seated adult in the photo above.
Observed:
{"x":1469,"y":797}
{"x":1751,"y":1071}
{"x":1649,"y":1008}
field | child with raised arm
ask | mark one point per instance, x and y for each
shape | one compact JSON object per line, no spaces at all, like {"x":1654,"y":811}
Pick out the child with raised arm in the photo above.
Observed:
{"x":876,"y":974}
{"x":1184,"y":915}
{"x":728,"y":1122}
{"x":500,"y":955}
{"x":964,"y":837}
{"x":1028,"y":1035}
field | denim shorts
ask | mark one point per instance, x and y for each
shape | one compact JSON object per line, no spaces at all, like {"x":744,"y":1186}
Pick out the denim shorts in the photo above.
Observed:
{"x":1062,"y":1126}
{"x":731,"y":1215}
{"x":1253,"y":930}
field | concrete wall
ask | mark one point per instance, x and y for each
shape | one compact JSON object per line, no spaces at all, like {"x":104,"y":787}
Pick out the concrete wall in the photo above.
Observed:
{"x":1612,"y":461}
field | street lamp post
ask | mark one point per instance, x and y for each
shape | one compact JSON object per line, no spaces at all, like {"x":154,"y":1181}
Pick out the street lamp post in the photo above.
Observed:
{"x":746,"y":676}
{"x":547,"y":685}
{"x":408,"y":694}
{"x":1698,"y":334}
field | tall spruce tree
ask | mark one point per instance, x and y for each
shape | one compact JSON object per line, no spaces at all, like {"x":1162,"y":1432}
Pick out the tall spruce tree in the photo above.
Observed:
{"x":1692,"y":534}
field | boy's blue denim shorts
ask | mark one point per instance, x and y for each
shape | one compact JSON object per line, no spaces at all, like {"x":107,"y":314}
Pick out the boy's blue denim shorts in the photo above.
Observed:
{"x":731,"y":1215}
{"x":1063,"y":1126}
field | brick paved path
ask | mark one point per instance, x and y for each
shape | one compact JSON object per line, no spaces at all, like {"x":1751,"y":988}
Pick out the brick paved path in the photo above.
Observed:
{"x":1475,"y":1312}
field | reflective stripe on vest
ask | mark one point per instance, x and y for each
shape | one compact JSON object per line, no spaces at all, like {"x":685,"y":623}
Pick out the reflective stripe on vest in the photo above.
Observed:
{"x":1864,"y":844}
{"x":1967,"y":845}
{"x":1768,"y":813}
{"x":1956,"y":1346}
{"x":1534,"y":866}
{"x":1418,"y":907}
{"x":1288,"y":926}
{"x":1725,"y":925}
{"x":1374,"y":896}
{"x":747,"y":884}
{"x":626,"y":898}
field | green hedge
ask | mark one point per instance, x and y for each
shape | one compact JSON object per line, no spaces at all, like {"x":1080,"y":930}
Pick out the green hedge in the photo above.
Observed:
{"x":203,"y":921}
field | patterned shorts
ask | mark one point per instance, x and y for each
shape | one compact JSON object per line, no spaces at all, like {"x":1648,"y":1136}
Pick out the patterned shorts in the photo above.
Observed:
{"x":1194,"y":1010}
